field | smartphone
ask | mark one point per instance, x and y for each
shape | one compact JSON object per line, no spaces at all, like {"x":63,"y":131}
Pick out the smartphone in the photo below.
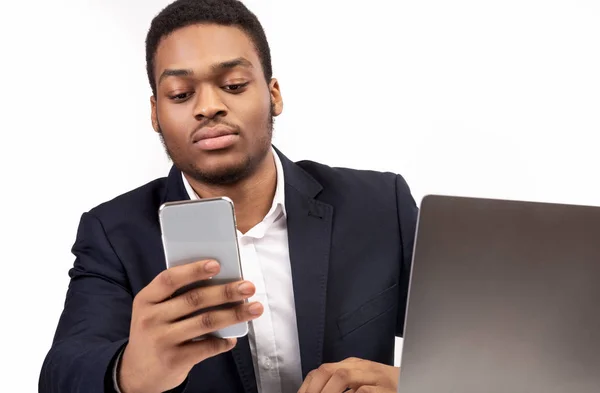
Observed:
{"x":204,"y":229}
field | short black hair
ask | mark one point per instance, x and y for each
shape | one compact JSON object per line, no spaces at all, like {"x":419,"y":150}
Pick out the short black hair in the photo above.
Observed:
{"x":183,"y":13}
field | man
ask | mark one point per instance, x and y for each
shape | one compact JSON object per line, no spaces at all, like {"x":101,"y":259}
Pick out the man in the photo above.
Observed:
{"x":327,"y":250}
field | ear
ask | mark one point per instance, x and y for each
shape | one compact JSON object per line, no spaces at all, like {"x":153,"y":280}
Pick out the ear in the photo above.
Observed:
{"x":154,"y":115}
{"x":276,"y":99}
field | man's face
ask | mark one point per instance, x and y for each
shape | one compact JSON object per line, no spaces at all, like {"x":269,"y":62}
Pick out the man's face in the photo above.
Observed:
{"x":213,"y":108}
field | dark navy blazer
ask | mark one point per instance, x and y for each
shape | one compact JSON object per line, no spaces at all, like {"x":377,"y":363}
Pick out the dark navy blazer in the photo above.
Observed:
{"x":351,"y":236}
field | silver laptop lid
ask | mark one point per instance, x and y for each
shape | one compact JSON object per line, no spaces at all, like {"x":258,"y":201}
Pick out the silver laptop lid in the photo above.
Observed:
{"x":504,"y":298}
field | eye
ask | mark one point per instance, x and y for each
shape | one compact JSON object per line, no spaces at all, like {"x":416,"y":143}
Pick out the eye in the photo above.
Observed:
{"x":236,"y":88}
{"x":180,"y":97}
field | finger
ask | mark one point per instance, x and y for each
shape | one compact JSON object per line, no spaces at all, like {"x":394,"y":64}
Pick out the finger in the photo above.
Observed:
{"x":349,"y":373}
{"x":201,"y":298}
{"x":317,"y":379}
{"x":195,"y":352}
{"x":208,"y":322}
{"x":306,"y":382}
{"x":351,"y":378}
{"x":342,"y":379}
{"x":355,"y":372}
{"x":171,"y":280}
{"x":372,"y":389}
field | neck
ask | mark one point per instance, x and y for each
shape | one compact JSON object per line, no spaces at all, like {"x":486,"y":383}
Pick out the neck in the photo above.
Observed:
{"x":252,"y":197}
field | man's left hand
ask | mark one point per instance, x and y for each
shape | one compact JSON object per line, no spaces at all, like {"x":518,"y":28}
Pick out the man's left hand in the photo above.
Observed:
{"x":357,"y":375}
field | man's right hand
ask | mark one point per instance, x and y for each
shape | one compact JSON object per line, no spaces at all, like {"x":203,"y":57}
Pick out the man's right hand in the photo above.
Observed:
{"x":159,"y":354}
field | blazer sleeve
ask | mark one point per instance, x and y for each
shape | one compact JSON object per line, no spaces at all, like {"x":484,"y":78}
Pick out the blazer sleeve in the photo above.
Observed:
{"x":407,"y":220}
{"x":94,"y":325}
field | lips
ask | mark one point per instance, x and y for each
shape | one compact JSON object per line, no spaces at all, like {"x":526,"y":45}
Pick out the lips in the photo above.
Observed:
{"x":218,"y":138}
{"x":211,"y":132}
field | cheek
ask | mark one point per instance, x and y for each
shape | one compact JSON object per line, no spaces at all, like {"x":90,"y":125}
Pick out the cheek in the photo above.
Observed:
{"x":255,"y":114}
{"x":166,"y":115}
{"x":173,"y":120}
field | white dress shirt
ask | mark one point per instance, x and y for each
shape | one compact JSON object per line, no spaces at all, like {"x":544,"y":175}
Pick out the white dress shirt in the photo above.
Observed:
{"x":265,"y":259}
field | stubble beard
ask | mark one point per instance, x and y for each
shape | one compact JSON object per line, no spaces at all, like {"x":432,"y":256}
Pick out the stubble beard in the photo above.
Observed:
{"x":225,"y":176}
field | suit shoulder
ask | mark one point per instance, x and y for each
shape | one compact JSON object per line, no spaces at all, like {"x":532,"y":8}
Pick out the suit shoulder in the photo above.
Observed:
{"x":368,"y":197}
{"x":347,"y":179}
{"x":139,"y":201}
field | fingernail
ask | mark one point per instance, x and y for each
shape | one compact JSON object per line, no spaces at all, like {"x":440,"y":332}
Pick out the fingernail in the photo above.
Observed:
{"x":245,"y":288}
{"x":231,"y":342}
{"x":255,"y":309}
{"x":211,"y":267}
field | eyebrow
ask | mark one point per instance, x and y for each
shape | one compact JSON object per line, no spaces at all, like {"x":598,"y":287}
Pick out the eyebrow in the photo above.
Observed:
{"x":218,"y":67}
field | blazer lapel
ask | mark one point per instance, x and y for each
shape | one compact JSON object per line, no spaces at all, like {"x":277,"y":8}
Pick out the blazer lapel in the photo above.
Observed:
{"x":309,"y":224}
{"x":175,"y":190}
{"x":243,"y":360}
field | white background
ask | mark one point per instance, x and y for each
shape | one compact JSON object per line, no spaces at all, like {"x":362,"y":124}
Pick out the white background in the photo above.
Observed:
{"x":477,"y":98}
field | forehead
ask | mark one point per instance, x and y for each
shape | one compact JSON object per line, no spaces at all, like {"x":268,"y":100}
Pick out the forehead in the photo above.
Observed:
{"x":199,"y":46}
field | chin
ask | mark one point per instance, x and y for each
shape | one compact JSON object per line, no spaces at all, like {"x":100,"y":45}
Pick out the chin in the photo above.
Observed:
{"x":221,"y":169}
{"x":218,"y":160}
{"x":222,"y":176}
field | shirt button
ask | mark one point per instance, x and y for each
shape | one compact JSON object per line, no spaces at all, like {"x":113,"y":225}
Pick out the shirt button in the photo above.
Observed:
{"x":268,"y":364}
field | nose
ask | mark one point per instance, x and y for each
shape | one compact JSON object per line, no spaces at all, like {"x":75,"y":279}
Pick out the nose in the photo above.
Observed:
{"x":209,"y":103}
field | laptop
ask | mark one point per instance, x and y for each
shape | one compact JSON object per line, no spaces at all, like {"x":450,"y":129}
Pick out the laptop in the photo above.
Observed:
{"x":504,"y":298}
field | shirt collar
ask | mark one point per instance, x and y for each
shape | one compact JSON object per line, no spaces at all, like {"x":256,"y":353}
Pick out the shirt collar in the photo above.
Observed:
{"x":278,"y":198}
